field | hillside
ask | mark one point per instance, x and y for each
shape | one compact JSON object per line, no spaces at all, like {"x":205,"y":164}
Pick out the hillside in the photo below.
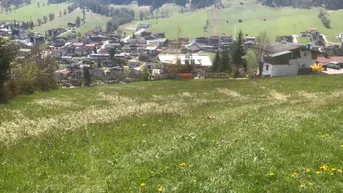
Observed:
{"x":265,"y":135}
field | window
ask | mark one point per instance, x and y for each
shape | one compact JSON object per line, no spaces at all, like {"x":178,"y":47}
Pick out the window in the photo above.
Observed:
{"x":305,"y":54}
{"x":267,"y":67}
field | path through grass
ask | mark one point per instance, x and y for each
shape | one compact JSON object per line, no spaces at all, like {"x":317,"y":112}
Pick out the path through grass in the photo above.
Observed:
{"x":268,"y":135}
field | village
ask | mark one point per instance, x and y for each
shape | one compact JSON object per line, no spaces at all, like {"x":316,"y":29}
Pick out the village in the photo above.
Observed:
{"x":143,"y":55}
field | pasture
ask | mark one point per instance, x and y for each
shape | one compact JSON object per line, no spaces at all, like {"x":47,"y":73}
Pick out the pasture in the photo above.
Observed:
{"x":263,"y":135}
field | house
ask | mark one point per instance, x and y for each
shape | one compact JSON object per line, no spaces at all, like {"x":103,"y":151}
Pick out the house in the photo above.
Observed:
{"x":71,"y":24}
{"x":286,"y":59}
{"x":58,"y":53}
{"x":133,"y":63}
{"x":99,"y":57}
{"x":54,"y":32}
{"x":143,"y":26}
{"x":79,"y":49}
{"x":37,"y":39}
{"x":152,"y":50}
{"x":199,"y":60}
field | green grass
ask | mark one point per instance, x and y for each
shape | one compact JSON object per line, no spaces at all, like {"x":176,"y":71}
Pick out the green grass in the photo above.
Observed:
{"x":92,"y":20}
{"x":279,"y":21}
{"x":231,"y":134}
{"x":32,"y":12}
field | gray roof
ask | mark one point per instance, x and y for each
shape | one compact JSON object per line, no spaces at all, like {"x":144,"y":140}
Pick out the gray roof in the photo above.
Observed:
{"x":276,"y":47}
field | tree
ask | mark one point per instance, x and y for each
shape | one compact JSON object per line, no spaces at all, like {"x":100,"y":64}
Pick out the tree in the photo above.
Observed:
{"x":87,"y":75}
{"x":225,"y":64}
{"x":39,"y":21}
{"x":78,"y":21}
{"x":64,"y":12}
{"x":84,"y":15}
{"x":7,"y":55}
{"x":133,"y":36}
{"x":51,"y":16}
{"x":60,"y":13}
{"x":45,"y":19}
{"x":238,"y":53}
{"x":38,"y":4}
{"x":261,"y":48}
{"x":79,"y":35}
{"x":216,"y":62}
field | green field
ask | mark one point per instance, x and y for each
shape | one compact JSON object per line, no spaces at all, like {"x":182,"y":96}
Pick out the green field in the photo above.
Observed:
{"x":92,"y":20}
{"x":279,"y":21}
{"x":263,"y":135}
{"x":32,"y":12}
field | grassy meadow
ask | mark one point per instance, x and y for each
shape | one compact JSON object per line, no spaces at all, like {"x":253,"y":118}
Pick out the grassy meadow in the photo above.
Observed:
{"x":265,"y":135}
{"x":92,"y":20}
{"x":32,"y":12}
{"x":279,"y":21}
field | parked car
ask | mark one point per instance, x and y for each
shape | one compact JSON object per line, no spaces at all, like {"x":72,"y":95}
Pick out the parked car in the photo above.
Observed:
{"x":335,"y":65}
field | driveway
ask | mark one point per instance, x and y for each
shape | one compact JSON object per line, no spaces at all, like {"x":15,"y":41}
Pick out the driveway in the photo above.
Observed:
{"x":331,"y":71}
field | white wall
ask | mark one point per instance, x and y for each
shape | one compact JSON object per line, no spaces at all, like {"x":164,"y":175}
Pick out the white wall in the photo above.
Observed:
{"x":285,"y":70}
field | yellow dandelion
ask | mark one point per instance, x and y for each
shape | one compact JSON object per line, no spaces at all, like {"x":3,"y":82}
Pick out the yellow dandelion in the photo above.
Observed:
{"x":142,"y":184}
{"x":324,"y":167}
{"x":339,"y":171}
{"x":331,"y":173}
{"x":310,"y":184}
{"x":294,"y":174}
{"x":341,"y":145}
{"x":308,"y":170}
{"x":159,"y":189}
{"x":333,"y":169}
{"x":194,"y":181}
{"x":317,"y":68}
{"x":271,"y":174}
{"x":183,"y":164}
{"x":318,"y":172}
{"x":302,"y":185}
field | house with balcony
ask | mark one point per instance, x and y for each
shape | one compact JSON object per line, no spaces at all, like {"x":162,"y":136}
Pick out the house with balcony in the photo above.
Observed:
{"x":288,"y":59}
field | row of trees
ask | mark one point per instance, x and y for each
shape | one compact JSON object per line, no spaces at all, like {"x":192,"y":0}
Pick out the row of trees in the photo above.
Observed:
{"x":326,"y":21}
{"x":16,"y":3}
{"x":18,"y":77}
{"x":231,"y":60}
{"x":329,"y":4}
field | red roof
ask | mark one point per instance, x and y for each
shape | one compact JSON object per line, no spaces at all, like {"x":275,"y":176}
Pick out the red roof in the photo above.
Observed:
{"x":78,"y":44}
{"x":324,"y":60}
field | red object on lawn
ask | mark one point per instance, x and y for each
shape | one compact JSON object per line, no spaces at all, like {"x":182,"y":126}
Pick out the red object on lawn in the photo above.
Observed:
{"x":185,"y":75}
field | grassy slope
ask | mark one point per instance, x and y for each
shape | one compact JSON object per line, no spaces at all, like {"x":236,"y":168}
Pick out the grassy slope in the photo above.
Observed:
{"x":26,"y":13}
{"x":230,"y":134}
{"x":280,"y":21}
{"x":93,"y":20}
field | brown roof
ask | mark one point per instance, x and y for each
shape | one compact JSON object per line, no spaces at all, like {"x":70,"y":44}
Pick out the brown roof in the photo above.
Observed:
{"x":324,"y":60}
{"x":276,"y":47}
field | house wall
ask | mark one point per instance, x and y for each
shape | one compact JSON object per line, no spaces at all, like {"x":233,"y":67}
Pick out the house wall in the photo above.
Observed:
{"x":284,"y":70}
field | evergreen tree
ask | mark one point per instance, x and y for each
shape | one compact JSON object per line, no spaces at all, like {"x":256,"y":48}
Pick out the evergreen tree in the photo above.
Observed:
{"x":225,"y":64}
{"x":78,"y":21}
{"x":238,"y":53}
{"x":216,"y":62}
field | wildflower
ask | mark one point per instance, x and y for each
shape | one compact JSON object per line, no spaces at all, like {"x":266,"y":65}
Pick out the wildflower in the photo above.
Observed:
{"x":308,"y":170}
{"x":294,"y":174}
{"x":333,"y":169}
{"x":331,"y":173}
{"x":183,"y":164}
{"x":339,"y":171}
{"x":302,"y":185}
{"x":142,"y":184}
{"x":194,"y":181}
{"x":341,"y":145}
{"x":324,"y":167}
{"x":318,"y":172}
{"x":159,"y":189}
{"x":310,"y":184}
{"x":271,"y":174}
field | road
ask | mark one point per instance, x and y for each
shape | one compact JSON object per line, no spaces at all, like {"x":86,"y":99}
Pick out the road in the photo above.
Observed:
{"x":62,"y":34}
{"x":103,"y":46}
{"x":136,"y":33}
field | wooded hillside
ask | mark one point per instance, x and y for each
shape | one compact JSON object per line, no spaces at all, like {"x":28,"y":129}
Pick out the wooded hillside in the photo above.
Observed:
{"x":329,"y":4}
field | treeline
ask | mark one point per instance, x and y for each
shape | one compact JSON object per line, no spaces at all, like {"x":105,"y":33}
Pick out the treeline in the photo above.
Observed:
{"x":57,"y":1}
{"x":325,"y":21}
{"x":119,"y":16}
{"x":15,"y":3}
{"x":24,"y":76}
{"x":329,"y":4}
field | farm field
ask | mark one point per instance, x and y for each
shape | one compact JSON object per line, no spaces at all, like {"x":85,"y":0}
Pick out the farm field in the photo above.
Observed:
{"x":262,"y":135}
{"x":32,"y":12}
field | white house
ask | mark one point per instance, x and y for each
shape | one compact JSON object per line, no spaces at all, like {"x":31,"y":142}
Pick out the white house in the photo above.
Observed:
{"x":286,"y":59}
{"x":195,"y":59}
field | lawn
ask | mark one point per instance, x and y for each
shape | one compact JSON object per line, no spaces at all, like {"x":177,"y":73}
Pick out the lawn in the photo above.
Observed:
{"x":264,"y":135}
{"x":32,"y":12}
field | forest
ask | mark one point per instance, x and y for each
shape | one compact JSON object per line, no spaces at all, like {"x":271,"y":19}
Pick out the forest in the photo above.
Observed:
{"x":329,"y":4}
